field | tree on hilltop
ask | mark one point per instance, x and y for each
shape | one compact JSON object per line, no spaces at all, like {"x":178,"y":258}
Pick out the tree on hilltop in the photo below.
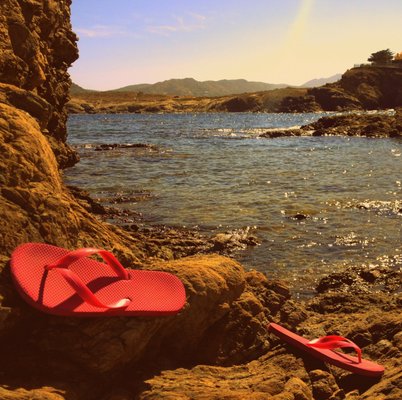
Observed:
{"x":382,"y":57}
{"x":398,"y":58}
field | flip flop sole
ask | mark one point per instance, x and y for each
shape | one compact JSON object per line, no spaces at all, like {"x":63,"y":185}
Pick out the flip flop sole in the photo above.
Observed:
{"x":341,"y":360}
{"x":151,"y":292}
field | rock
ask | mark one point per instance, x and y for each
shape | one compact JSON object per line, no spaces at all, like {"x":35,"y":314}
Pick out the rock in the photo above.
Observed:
{"x":367,"y":87}
{"x":369,"y":125}
{"x":300,"y":104}
{"x":37,"y":48}
{"x":238,"y":239}
{"x":324,"y":386}
{"x":256,"y":380}
{"x":45,"y":393}
{"x":25,"y":100}
{"x":359,"y":279}
{"x":332,"y":98}
{"x":239,"y":104}
{"x":103,"y":345}
{"x":275,"y":133}
{"x":296,"y":388}
{"x":112,"y":146}
{"x":375,"y":87}
{"x":380,"y":125}
{"x":299,"y":217}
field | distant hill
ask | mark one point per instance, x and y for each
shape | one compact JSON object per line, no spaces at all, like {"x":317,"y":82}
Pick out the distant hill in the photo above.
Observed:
{"x":76,"y":89}
{"x":322,"y":81}
{"x":360,"y":88}
{"x":194,"y":88}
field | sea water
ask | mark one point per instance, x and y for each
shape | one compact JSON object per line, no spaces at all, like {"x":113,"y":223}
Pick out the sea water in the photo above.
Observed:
{"x":317,"y":204}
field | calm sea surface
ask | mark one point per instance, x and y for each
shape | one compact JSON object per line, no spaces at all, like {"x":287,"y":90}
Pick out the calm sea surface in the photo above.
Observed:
{"x":212,"y":171}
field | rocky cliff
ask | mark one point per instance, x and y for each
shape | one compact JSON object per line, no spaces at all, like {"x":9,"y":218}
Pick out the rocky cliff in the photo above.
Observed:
{"x":224,"y":320}
{"x":37,"y":48}
{"x":362,"y":88}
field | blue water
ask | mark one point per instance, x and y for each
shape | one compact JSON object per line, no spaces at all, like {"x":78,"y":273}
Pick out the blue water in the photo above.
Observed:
{"x":214,"y":172}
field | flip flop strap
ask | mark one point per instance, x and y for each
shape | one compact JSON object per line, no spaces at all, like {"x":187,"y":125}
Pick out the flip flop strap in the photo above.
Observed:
{"x":72,"y":256}
{"x":76,"y":283}
{"x":335,"y":342}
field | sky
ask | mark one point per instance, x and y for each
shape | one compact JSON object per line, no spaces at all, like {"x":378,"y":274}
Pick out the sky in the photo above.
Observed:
{"x":125,"y":42}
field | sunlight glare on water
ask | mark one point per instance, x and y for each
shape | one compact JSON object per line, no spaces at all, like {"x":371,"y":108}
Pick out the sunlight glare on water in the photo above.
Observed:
{"x":213,"y":171}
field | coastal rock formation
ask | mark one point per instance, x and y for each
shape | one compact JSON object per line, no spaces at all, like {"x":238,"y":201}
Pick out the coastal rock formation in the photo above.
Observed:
{"x":37,"y":47}
{"x":332,"y":98}
{"x":361,"y":88}
{"x":368,"y":125}
{"x":300,"y":104}
{"x":377,"y":125}
{"x":375,"y":87}
{"x":370,"y":319}
{"x":238,"y":104}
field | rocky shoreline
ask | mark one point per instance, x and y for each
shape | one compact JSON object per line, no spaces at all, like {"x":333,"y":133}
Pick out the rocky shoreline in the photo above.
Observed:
{"x":218,"y":346}
{"x":378,"y":125}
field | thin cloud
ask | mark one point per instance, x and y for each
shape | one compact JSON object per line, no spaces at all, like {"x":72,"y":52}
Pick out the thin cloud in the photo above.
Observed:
{"x":193,"y":22}
{"x":103,"y":31}
{"x":198,"y":17}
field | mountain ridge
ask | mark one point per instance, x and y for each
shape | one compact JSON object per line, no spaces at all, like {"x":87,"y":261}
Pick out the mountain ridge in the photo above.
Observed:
{"x":192,"y":87}
{"x":321,"y":81}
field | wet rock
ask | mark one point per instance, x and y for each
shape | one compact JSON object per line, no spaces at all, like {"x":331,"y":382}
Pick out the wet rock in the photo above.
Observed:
{"x":86,"y":201}
{"x":369,"y":125}
{"x":113,"y":146}
{"x":358,"y":279}
{"x":276,"y":133}
{"x":370,"y":275}
{"x":299,"y":217}
{"x":234,"y":240}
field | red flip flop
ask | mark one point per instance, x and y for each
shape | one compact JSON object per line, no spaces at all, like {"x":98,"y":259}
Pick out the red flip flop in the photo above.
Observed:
{"x":64,"y":282}
{"x":322,"y":348}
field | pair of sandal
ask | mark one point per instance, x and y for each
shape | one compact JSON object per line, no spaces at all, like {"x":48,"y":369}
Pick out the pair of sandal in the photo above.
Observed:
{"x":69,"y":283}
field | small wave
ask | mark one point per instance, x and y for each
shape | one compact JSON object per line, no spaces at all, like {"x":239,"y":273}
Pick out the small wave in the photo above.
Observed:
{"x":83,"y":146}
{"x":288,"y":128}
{"x":116,"y":146}
{"x":351,"y":240}
{"x":380,"y":207}
{"x":123,"y":197}
{"x":239,"y":133}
